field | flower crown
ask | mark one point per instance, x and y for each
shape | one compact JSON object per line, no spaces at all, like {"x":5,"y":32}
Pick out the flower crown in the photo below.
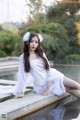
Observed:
{"x":27,"y":35}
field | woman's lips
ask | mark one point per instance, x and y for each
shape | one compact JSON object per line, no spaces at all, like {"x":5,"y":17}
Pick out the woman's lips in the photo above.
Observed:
{"x":33,"y":47}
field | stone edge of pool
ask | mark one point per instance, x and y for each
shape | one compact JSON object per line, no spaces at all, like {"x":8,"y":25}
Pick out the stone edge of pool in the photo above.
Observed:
{"x":15,"y":108}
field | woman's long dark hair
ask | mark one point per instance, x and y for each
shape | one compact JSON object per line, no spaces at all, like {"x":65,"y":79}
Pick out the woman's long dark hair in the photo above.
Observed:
{"x":38,"y":51}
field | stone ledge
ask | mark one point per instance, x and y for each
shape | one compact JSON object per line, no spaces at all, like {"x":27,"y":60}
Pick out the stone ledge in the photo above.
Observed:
{"x":8,"y":58}
{"x":15,"y":108}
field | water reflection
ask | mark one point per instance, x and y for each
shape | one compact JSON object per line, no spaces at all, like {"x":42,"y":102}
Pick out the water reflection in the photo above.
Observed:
{"x":72,"y":110}
{"x":49,"y":113}
{"x":59,"y":112}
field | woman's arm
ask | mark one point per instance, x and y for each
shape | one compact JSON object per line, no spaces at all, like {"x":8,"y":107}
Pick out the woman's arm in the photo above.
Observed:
{"x":46,"y":91}
{"x":21,"y":82}
{"x":24,"y":79}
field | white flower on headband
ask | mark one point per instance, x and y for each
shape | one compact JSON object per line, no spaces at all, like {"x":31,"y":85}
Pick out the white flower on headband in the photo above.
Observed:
{"x":27,"y":35}
{"x":40,"y":37}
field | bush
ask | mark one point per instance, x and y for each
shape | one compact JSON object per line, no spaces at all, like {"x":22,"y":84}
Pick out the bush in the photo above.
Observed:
{"x":55,"y":40}
{"x":9,"y":43}
{"x":72,"y":58}
{"x":2,"y":54}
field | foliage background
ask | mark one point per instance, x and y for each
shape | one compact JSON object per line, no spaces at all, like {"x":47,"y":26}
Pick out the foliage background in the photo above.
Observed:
{"x":58,"y":27}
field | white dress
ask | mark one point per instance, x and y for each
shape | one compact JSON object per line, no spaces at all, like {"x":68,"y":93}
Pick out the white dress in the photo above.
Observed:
{"x":39,"y":77}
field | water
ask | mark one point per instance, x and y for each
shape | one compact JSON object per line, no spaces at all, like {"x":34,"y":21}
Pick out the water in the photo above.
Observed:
{"x":59,"y":112}
{"x":72,"y":72}
{"x":9,"y":75}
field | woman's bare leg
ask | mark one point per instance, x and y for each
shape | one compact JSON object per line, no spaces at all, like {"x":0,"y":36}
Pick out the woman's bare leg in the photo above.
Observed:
{"x":72,"y":86}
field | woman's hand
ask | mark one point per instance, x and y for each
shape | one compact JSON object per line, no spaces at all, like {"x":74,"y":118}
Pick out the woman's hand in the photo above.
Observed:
{"x":19,"y":96}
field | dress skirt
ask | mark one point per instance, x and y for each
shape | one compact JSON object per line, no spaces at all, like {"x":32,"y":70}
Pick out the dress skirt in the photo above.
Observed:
{"x":57,"y":87}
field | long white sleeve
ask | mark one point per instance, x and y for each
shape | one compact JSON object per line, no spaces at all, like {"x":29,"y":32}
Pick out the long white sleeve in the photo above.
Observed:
{"x":24,"y":78}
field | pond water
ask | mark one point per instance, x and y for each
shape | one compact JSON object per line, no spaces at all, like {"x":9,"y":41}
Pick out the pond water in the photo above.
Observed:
{"x":9,"y":75}
{"x":59,"y":112}
{"x":72,"y":72}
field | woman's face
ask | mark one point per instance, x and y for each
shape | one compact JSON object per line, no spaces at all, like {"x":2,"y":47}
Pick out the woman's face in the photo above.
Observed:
{"x":33,"y":43}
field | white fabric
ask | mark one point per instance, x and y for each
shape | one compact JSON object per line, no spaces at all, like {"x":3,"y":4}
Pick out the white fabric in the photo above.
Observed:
{"x":6,"y":89}
{"x":24,"y":79}
{"x":26,"y":36}
{"x":37,"y":77}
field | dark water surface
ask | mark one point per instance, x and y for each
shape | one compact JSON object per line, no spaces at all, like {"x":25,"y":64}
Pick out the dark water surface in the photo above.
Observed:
{"x":72,"y":72}
{"x":9,"y":75}
{"x":59,"y":112}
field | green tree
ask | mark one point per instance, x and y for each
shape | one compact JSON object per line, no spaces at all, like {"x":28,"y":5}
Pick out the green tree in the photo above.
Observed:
{"x":36,"y":15}
{"x":1,"y":28}
{"x":9,"y":43}
{"x":67,"y":15}
{"x":57,"y":26}
{"x":56,"y":40}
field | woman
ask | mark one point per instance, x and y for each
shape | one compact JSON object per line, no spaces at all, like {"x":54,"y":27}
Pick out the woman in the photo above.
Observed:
{"x":46,"y":80}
